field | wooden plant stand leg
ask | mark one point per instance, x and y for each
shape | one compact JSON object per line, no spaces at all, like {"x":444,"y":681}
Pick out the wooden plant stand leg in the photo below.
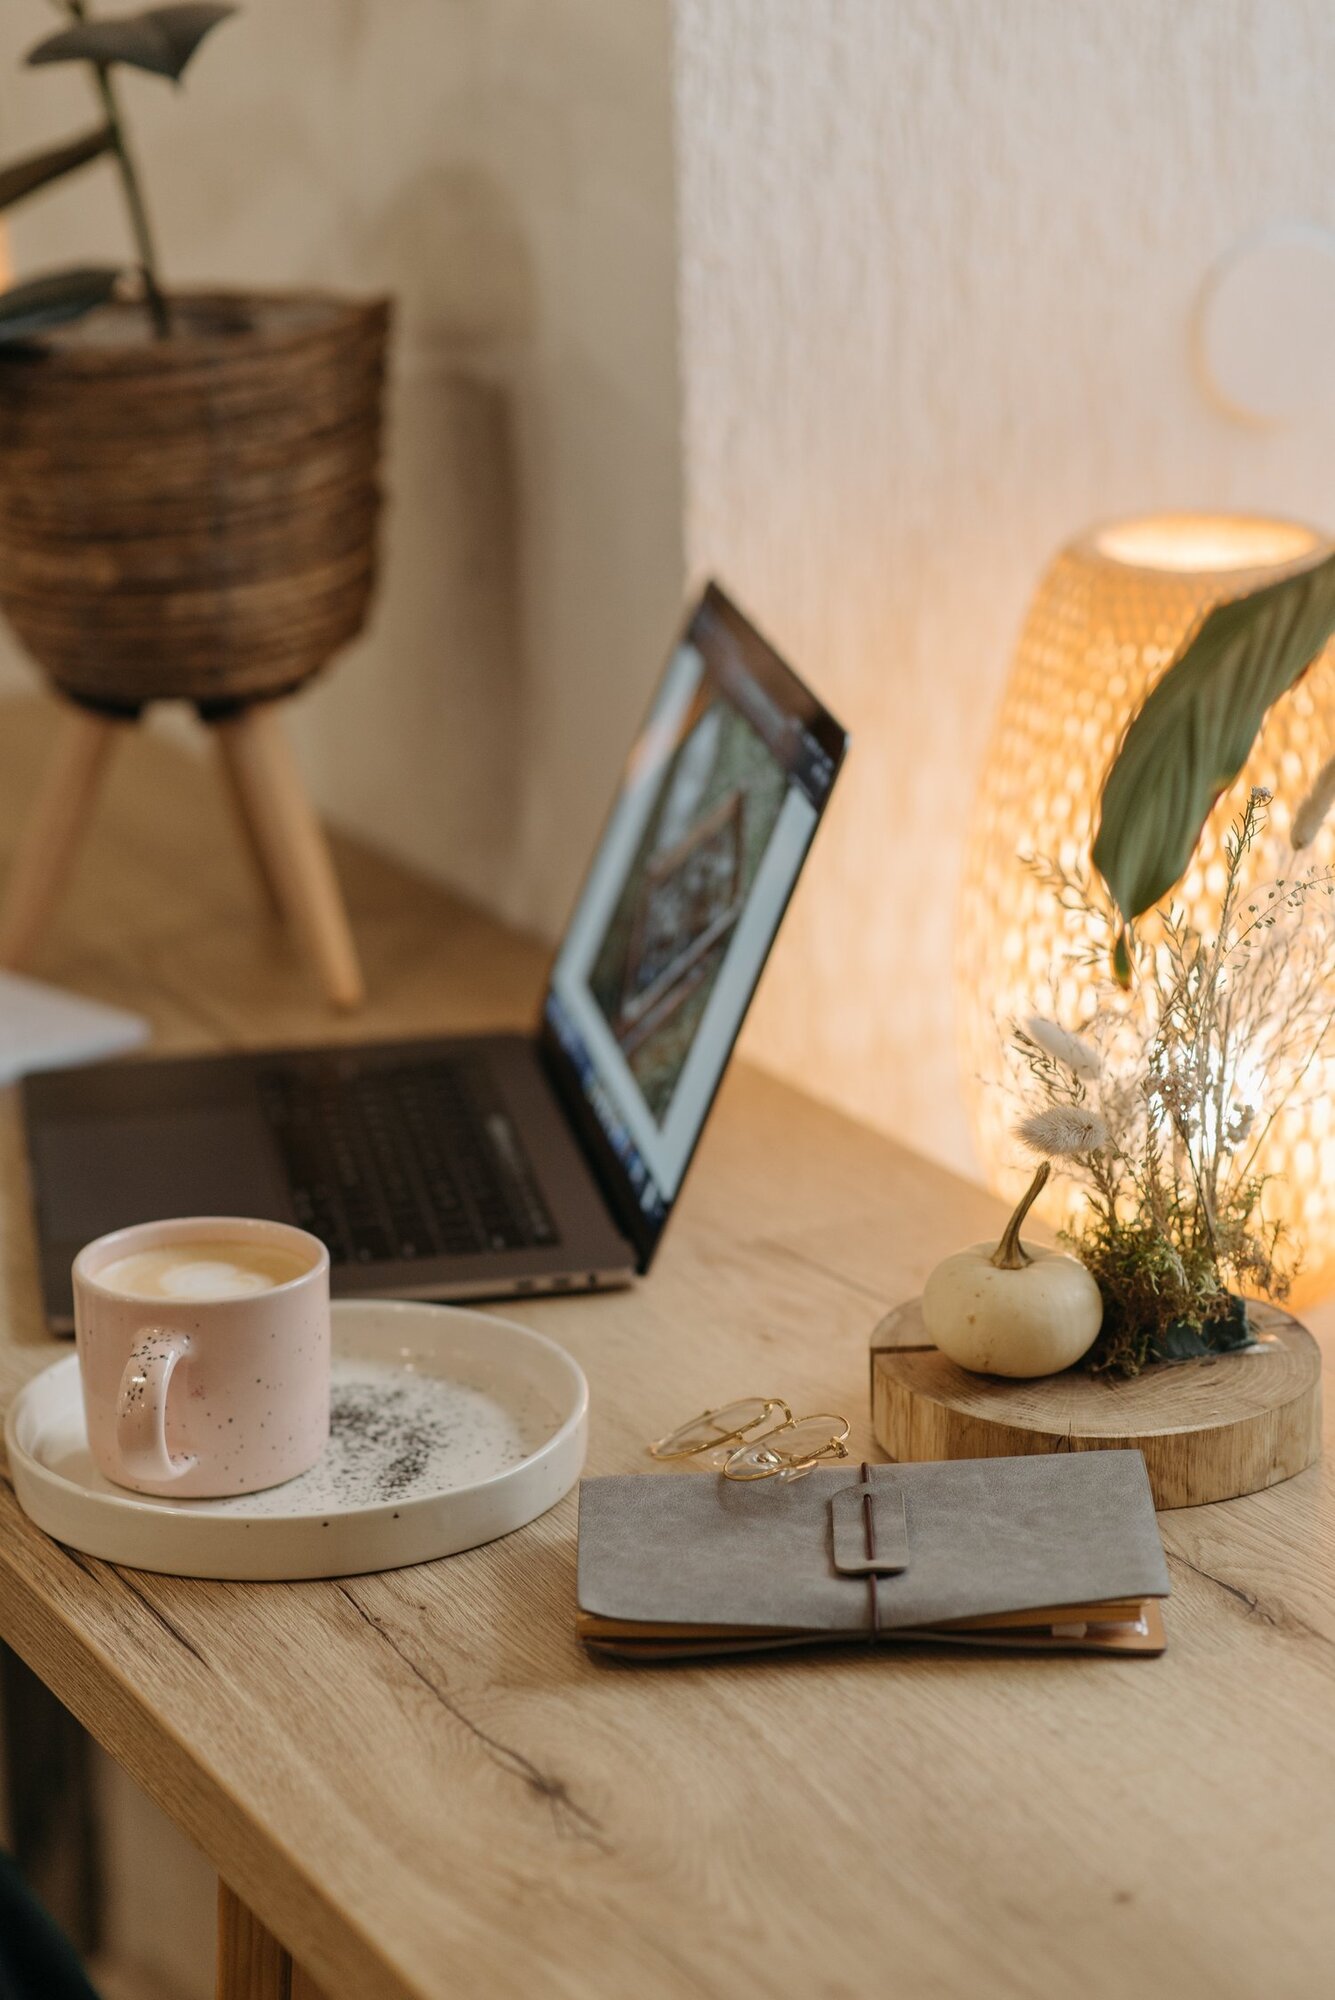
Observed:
{"x":51,"y":835}
{"x":292,"y":841}
{"x":247,"y":828}
{"x":252,"y":1965}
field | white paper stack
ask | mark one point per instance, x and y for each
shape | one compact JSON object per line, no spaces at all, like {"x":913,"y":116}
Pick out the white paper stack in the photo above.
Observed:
{"x":44,"y":1027}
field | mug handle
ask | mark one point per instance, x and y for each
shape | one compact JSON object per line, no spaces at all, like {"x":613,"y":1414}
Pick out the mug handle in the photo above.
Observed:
{"x":141,"y":1406}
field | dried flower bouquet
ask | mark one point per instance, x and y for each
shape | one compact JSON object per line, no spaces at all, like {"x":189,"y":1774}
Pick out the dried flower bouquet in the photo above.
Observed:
{"x":1159,"y":1104}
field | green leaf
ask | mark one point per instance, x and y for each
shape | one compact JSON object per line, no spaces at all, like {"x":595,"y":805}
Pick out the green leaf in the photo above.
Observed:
{"x":1231,"y":1331}
{"x":161,"y":39}
{"x":50,"y":301}
{"x":26,"y":176}
{"x":1226,"y":1332}
{"x":1122,"y":966}
{"x":1196,"y":729}
{"x":1179,"y":1342}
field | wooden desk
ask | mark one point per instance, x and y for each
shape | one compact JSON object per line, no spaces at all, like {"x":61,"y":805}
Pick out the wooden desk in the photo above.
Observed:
{"x":422,"y":1786}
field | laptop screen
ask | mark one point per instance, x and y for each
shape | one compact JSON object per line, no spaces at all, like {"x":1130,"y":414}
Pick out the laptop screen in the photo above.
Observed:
{"x":718,"y":804}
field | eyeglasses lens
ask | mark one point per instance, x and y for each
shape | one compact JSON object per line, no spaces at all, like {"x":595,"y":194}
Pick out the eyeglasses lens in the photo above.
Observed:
{"x":718,"y":1429}
{"x":790,"y":1453}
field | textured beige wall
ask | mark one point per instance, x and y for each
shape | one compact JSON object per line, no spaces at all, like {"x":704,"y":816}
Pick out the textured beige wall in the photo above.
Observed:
{"x":939,"y":264}
{"x":504,"y":167}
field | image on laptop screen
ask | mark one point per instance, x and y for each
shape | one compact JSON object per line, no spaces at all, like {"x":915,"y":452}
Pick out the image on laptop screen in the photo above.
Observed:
{"x":721,"y":796}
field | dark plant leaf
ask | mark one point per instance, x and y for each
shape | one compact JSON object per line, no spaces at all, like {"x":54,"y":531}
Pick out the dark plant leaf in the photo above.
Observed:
{"x":1228,"y":1332}
{"x":1231,"y":1330}
{"x":162,"y":39}
{"x":49,"y":301}
{"x":26,"y":176}
{"x":1195,"y":731}
{"x":1179,"y":1342}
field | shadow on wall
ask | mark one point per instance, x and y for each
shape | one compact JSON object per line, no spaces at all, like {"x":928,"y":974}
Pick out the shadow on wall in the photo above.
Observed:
{"x":412,"y":741}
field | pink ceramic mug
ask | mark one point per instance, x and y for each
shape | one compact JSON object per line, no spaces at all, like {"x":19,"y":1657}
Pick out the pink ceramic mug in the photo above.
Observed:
{"x":191,"y":1388}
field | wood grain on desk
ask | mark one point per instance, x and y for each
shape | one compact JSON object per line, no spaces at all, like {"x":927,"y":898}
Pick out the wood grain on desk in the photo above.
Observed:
{"x":422,"y":1785}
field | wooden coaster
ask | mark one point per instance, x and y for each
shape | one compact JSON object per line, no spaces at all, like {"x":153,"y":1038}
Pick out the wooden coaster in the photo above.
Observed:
{"x":1210,"y":1429}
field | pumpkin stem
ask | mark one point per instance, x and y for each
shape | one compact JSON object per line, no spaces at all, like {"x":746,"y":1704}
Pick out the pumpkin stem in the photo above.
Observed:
{"x":1010,"y":1254}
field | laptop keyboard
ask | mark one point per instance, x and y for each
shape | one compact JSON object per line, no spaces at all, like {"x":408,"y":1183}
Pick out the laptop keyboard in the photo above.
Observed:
{"x":388,"y":1164}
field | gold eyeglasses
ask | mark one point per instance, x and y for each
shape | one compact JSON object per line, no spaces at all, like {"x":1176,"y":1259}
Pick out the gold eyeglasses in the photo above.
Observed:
{"x":757,"y":1438}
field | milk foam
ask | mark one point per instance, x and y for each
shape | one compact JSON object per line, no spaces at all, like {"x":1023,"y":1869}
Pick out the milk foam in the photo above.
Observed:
{"x":201,"y":1271}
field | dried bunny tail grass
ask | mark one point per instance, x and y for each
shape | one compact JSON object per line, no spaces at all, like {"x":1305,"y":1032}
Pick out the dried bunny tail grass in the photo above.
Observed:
{"x":1311,"y":814}
{"x":1063,"y":1131}
{"x":1069,"y":1050}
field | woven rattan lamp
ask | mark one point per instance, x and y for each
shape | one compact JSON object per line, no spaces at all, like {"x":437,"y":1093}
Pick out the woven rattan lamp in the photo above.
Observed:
{"x":1109,"y":616}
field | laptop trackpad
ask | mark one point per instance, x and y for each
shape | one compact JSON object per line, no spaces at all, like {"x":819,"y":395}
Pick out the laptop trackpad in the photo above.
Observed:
{"x":97,"y":1174}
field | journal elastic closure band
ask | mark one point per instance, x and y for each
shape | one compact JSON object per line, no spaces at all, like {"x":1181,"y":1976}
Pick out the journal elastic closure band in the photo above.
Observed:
{"x":871,"y":1535}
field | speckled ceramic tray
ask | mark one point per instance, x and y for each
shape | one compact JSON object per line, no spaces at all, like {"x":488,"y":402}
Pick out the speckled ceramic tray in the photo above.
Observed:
{"x":449,"y":1428}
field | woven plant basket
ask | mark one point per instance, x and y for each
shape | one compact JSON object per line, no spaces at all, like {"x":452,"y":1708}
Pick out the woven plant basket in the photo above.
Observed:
{"x":194,"y":518}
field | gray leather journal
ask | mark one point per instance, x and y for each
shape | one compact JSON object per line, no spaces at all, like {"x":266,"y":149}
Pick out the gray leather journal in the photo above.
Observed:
{"x":1046,"y":1553}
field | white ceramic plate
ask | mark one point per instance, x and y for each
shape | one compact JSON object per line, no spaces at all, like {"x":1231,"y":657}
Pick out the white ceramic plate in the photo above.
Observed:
{"x":449,"y":1429}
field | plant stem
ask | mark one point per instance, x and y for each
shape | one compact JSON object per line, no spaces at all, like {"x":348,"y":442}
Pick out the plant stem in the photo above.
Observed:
{"x":134,"y":202}
{"x":132,"y":188}
{"x":1010,"y":1254}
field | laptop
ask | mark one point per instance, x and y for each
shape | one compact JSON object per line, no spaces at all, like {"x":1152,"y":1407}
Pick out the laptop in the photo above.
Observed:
{"x":498,"y":1165}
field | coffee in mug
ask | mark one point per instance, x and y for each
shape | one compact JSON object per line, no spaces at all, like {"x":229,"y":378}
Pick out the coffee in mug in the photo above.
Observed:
{"x":203,"y":1270}
{"x":204,"y":1354}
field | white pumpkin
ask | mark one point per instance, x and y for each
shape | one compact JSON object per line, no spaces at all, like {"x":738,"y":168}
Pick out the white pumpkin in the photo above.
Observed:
{"x":1008,"y":1309}
{"x":1027,"y":1322}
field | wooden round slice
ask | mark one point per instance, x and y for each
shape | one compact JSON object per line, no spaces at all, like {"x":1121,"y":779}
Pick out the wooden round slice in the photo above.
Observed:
{"x":1210,"y":1429}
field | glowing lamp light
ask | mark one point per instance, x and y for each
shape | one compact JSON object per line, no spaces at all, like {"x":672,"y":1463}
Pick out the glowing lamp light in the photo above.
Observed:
{"x":1110,"y":614}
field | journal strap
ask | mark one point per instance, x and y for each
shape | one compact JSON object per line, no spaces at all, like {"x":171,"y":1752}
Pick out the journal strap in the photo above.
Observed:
{"x":871,"y":1535}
